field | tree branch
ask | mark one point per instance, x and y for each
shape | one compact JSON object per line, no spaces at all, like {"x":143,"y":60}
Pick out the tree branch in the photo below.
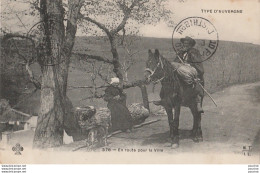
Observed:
{"x":135,"y":83}
{"x":125,"y":86}
{"x":127,"y":11}
{"x":13,"y":35}
{"x":87,"y":87}
{"x":71,"y":29}
{"x":35,"y":82}
{"x":35,"y":4}
{"x":100,"y":25}
{"x":18,"y":53}
{"x":123,"y":36}
{"x":10,"y":36}
{"x":95,"y":57}
{"x":94,"y":97}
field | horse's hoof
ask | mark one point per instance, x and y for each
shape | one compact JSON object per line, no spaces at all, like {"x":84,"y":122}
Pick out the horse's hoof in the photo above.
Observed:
{"x":200,"y":139}
{"x":174,"y":146}
{"x":195,"y":139}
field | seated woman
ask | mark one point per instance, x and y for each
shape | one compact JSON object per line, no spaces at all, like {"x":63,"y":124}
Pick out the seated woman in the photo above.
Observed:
{"x":120,"y":116}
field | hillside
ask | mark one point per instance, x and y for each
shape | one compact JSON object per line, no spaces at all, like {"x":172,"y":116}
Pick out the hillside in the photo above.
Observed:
{"x":233,"y":63}
{"x":142,"y":44}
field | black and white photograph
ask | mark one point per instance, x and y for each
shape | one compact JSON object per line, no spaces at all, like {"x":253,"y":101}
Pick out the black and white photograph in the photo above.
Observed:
{"x":130,"y":82}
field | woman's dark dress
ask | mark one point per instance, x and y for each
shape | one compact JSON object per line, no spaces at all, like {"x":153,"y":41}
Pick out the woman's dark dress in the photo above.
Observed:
{"x":120,"y":115}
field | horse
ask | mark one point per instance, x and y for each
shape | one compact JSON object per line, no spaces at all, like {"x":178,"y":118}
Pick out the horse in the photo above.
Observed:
{"x":174,"y":94}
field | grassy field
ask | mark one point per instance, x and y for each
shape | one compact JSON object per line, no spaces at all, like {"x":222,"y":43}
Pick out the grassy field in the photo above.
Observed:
{"x":232,"y":63}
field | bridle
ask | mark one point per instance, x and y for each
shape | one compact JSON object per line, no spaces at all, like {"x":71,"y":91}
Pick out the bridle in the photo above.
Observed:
{"x":153,"y":71}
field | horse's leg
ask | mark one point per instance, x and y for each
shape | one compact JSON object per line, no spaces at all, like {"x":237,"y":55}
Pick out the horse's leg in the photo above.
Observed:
{"x":199,"y":124}
{"x":168,"y":110}
{"x":195,"y":118}
{"x":174,"y":127}
{"x":199,"y":130}
{"x":196,"y":130}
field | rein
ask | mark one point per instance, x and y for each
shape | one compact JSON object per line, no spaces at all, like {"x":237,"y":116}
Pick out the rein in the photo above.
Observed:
{"x":153,"y":71}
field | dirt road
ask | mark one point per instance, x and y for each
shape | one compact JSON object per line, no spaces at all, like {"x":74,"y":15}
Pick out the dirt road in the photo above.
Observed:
{"x":226,"y":128}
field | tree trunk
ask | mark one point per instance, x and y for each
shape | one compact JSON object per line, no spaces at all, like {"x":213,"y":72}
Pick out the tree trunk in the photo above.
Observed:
{"x":145,"y":96}
{"x":56,"y":114}
{"x":117,"y":66}
{"x":49,"y":130}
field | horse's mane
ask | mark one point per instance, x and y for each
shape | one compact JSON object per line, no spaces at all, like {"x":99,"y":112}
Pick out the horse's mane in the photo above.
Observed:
{"x":169,"y":67}
{"x":171,"y":76}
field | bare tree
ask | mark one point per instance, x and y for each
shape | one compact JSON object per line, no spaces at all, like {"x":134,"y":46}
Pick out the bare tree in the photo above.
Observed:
{"x":118,"y":15}
{"x":56,"y":114}
{"x":118,"y":19}
{"x":53,"y":51}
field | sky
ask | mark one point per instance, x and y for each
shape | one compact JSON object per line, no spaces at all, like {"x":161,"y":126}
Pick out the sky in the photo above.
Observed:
{"x":241,"y":27}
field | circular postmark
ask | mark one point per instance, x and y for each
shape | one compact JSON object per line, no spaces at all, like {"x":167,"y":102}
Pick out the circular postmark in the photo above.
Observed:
{"x":41,"y":29}
{"x":41,"y":33}
{"x":37,"y":32}
{"x":199,"y":29}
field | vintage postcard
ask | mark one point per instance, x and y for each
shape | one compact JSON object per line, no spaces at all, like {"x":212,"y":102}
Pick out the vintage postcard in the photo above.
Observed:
{"x":130,"y":81}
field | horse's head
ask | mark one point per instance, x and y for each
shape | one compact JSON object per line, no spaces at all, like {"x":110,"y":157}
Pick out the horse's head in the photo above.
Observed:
{"x":154,"y":67}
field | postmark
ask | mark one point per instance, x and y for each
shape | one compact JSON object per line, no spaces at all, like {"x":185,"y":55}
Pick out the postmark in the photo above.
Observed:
{"x":40,"y":33}
{"x":202,"y":31}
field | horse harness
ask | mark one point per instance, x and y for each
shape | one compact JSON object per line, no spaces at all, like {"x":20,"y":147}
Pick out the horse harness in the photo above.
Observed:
{"x":160,"y":63}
